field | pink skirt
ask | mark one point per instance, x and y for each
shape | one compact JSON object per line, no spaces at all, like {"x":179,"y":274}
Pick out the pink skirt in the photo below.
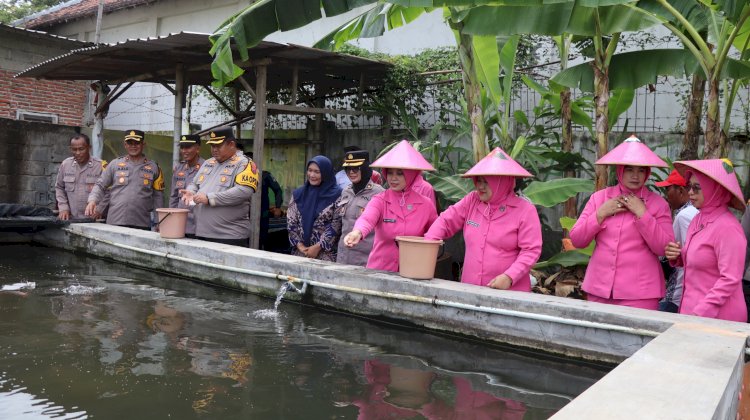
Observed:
{"x":652,"y":304}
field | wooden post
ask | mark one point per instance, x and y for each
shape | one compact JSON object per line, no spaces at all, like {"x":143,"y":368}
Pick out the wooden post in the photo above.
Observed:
{"x":238,"y":127}
{"x":258,"y":139}
{"x":179,"y":94}
{"x":295,"y":84}
{"x":361,"y":92}
{"x":97,"y":137}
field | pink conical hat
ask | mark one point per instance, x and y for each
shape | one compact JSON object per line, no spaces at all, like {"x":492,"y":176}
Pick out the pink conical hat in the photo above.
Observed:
{"x":403,"y":156}
{"x":632,"y":152}
{"x":497,"y":163}
{"x":721,"y":171}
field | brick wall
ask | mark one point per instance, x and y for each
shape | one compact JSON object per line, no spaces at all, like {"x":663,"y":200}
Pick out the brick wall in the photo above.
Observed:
{"x":66,"y":99}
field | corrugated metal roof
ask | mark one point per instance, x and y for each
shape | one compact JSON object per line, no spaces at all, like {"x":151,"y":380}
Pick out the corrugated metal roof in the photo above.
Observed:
{"x":155,"y":60}
{"x":73,"y":43}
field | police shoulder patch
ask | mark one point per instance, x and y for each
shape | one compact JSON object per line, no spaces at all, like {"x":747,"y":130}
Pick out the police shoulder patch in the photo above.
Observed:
{"x":159,"y":182}
{"x":249,"y":176}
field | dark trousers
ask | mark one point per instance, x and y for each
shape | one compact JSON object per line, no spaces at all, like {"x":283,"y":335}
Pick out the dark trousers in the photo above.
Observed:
{"x":245,"y":242}
{"x":263,"y":234}
{"x":665,"y":306}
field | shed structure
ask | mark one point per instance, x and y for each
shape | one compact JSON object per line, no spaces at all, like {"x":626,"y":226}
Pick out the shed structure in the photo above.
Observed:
{"x":305,"y":76}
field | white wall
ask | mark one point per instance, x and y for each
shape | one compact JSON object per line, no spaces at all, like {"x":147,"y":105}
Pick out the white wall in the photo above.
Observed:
{"x":149,"y":106}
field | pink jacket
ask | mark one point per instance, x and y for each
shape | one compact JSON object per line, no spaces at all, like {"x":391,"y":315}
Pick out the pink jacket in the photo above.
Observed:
{"x":714,"y":259}
{"x":625,"y":262}
{"x":388,"y":219}
{"x":424,"y":188}
{"x":507,"y":241}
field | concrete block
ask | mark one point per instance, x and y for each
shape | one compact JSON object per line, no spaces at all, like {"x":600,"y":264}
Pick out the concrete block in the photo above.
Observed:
{"x":689,"y":372}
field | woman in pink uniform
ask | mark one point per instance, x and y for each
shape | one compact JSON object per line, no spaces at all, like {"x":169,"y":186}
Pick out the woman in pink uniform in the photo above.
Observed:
{"x":502,"y":232}
{"x":631,"y":226}
{"x":397,"y":211}
{"x":714,"y":251}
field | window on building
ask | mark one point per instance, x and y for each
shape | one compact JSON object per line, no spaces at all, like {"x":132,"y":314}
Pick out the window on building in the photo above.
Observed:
{"x":36,"y":116}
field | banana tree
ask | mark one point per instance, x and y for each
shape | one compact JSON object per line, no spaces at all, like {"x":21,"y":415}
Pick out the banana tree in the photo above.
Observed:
{"x":601,"y":20}
{"x":728,"y":24}
{"x":563,"y":43}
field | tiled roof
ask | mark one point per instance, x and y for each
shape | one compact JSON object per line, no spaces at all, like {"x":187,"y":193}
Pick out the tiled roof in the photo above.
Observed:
{"x":74,"y":10}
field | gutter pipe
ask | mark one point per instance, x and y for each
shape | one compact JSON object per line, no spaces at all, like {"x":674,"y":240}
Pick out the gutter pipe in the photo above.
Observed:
{"x":398,"y":296}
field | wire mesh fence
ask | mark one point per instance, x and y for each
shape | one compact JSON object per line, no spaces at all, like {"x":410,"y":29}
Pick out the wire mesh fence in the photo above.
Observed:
{"x":660,"y":107}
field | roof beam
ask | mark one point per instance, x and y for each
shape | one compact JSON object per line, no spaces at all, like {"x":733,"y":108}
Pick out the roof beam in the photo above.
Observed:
{"x":111,"y":97}
{"x":221,"y":101}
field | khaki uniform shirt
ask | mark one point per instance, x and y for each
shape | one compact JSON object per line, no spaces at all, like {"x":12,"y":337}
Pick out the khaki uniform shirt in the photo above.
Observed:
{"x":226,"y":215}
{"x":348,"y":209}
{"x":136,"y":189}
{"x":182,"y":176}
{"x":74,"y":184}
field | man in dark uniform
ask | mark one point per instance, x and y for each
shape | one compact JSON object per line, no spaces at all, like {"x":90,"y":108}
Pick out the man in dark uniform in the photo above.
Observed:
{"x":76,"y":178}
{"x":266,"y":211}
{"x":183,"y":174}
{"x":221,"y":192}
{"x":135,"y":184}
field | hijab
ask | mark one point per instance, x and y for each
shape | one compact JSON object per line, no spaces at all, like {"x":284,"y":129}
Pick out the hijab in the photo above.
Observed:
{"x":502,"y":188}
{"x":640,"y":192}
{"x":312,"y":200}
{"x":398,"y":198}
{"x":365,"y":173}
{"x":716,"y":200}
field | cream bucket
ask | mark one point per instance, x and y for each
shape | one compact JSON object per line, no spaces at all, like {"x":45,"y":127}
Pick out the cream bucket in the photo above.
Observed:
{"x":417,"y":257}
{"x":172,"y":222}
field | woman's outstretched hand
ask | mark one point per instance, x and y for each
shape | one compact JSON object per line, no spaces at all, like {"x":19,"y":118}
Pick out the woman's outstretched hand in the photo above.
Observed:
{"x":352,"y":238}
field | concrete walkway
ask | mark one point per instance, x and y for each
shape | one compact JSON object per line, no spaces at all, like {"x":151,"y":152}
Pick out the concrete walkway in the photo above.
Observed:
{"x":677,"y":366}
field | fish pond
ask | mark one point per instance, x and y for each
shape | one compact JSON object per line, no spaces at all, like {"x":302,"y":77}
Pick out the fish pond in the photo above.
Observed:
{"x":86,"y":338}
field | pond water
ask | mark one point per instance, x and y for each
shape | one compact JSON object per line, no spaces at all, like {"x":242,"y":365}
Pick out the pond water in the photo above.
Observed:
{"x":84,"y":338}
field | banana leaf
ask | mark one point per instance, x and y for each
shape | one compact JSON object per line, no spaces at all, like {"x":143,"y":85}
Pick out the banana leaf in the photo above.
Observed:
{"x":556,"y":191}
{"x":565,"y":259}
{"x":452,"y":187}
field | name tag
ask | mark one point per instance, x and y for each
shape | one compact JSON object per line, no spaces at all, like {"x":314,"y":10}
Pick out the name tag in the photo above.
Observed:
{"x":389,"y":220}
{"x":472,"y":223}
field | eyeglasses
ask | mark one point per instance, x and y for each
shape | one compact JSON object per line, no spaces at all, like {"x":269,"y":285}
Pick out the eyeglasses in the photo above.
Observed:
{"x":354,"y":169}
{"x":132,"y":142}
{"x":694,"y":187}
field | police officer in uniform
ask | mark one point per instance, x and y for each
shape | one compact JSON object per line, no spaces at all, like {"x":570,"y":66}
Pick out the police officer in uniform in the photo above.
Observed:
{"x":75,"y":180}
{"x":183,"y":174}
{"x":135,"y":183}
{"x":352,"y":203}
{"x":221,"y":192}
